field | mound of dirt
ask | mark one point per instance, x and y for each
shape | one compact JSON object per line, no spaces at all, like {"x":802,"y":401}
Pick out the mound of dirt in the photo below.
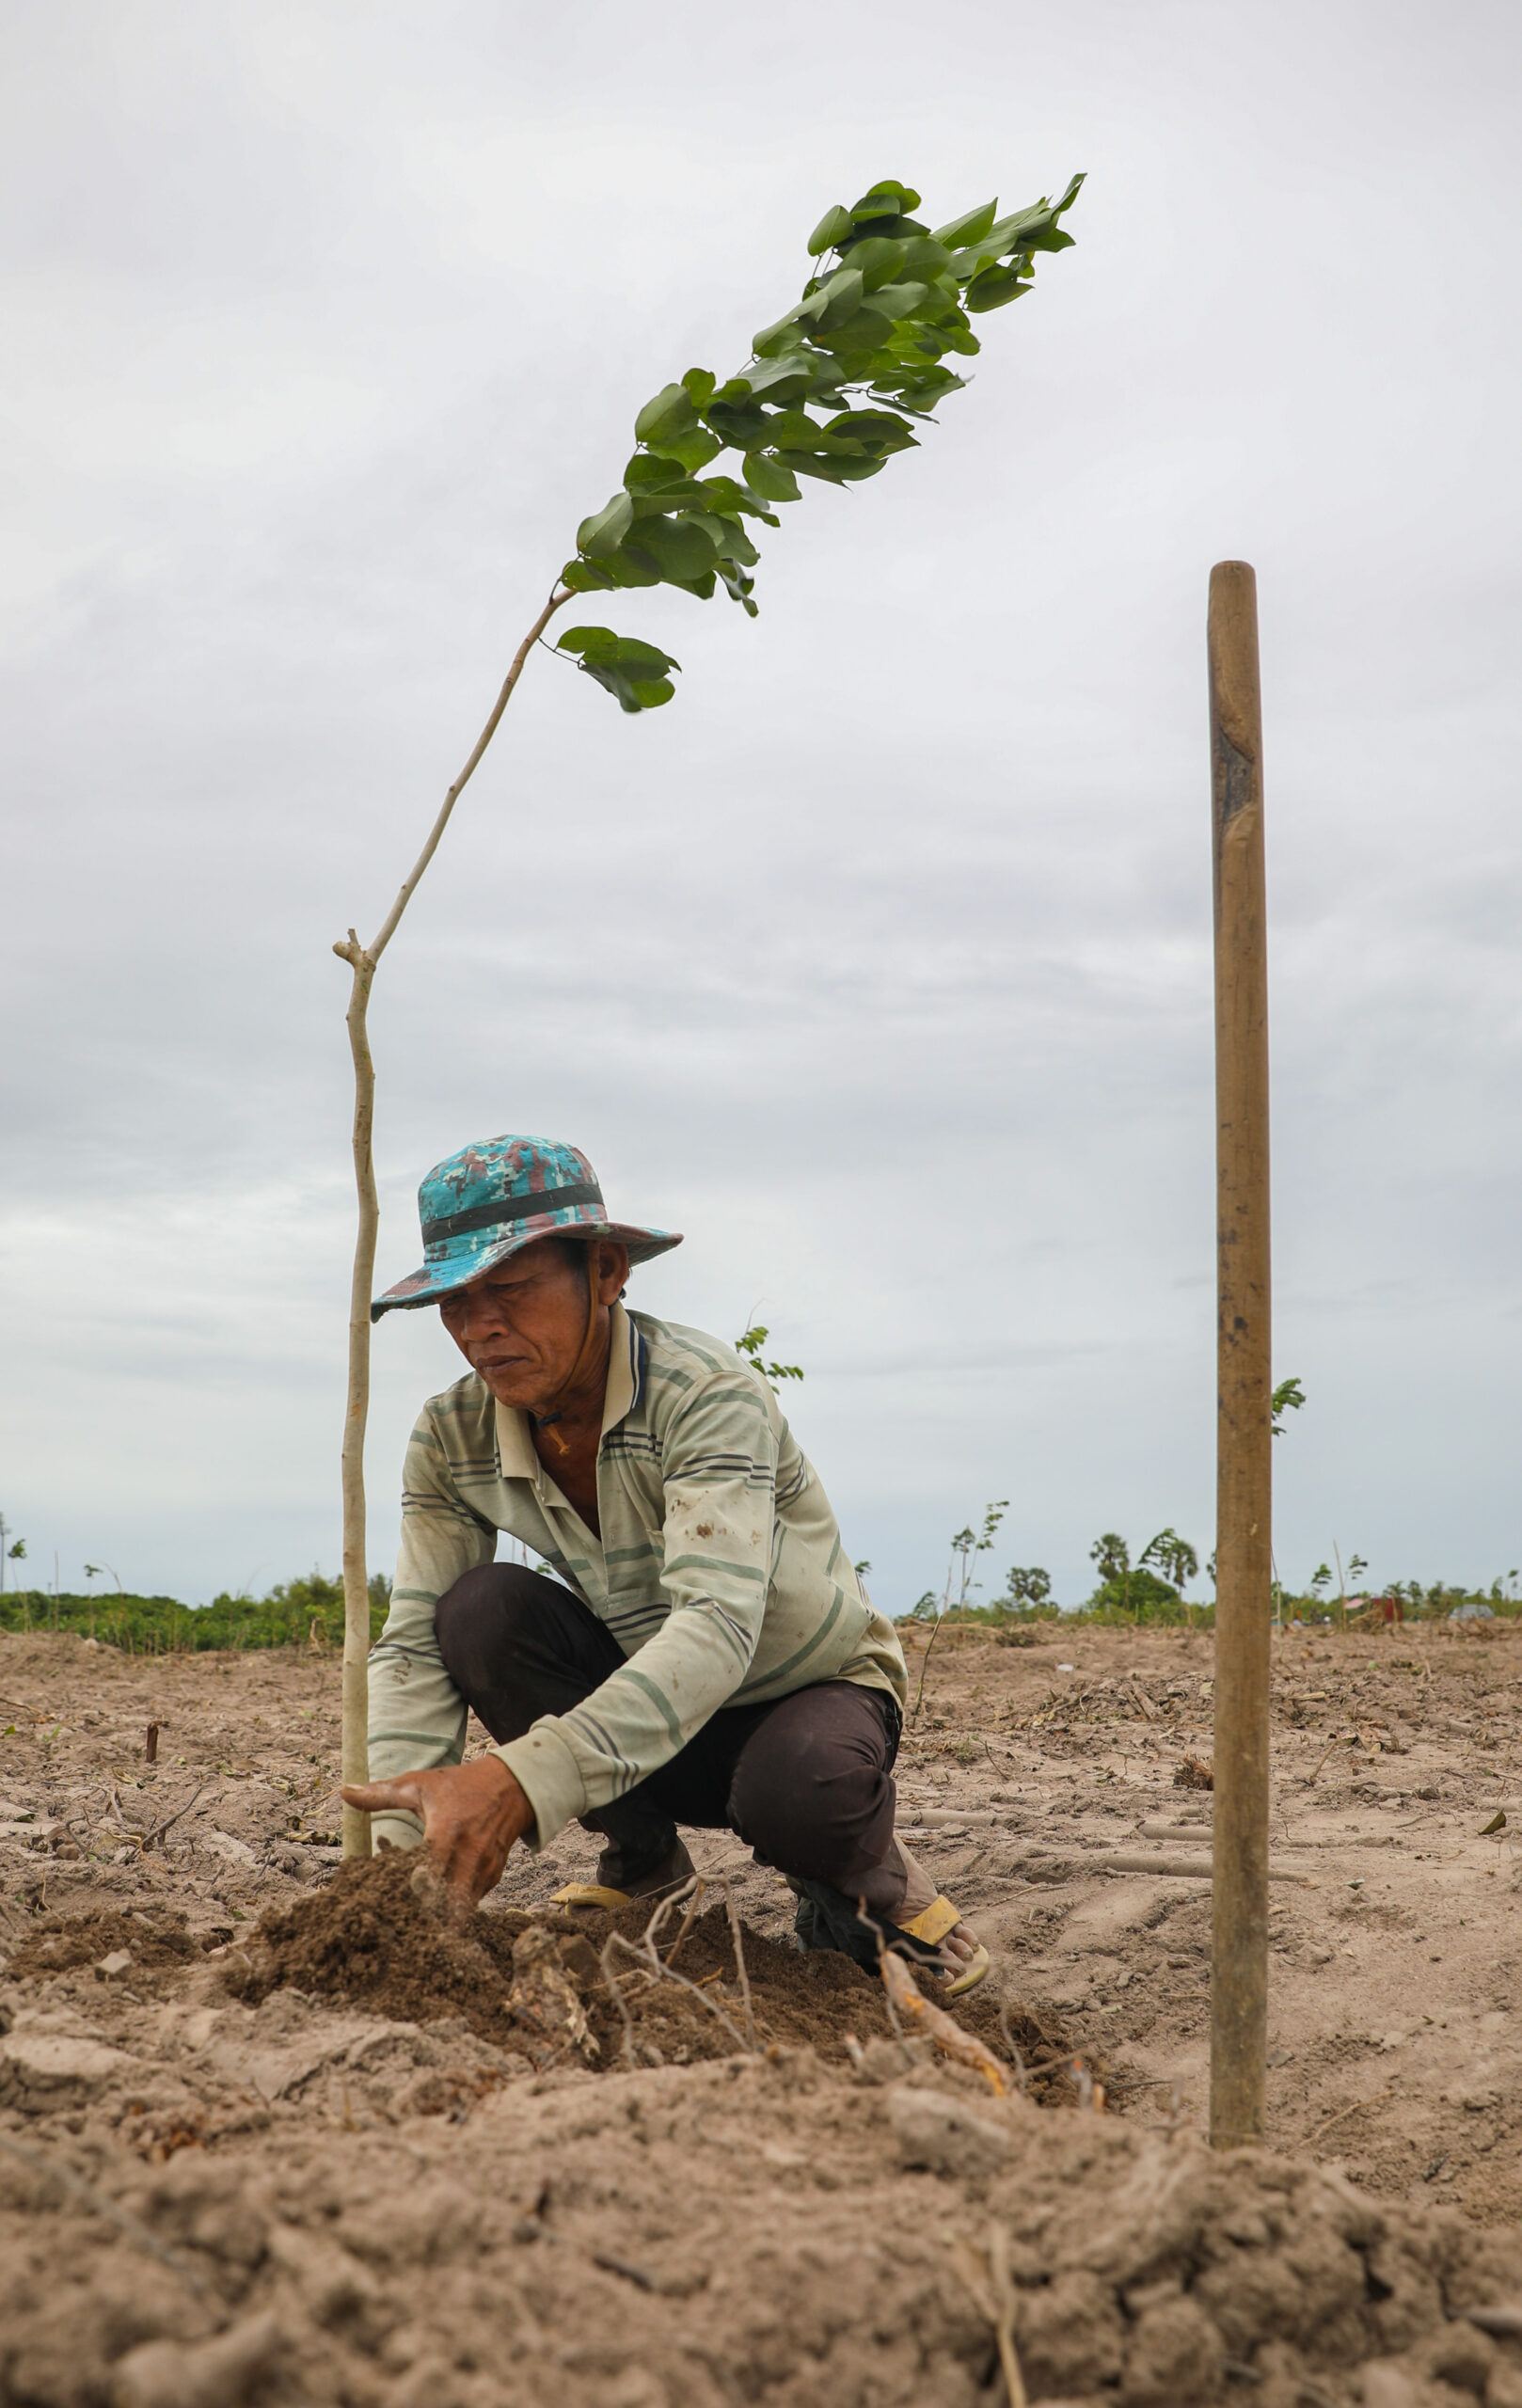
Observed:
{"x":562,"y":1990}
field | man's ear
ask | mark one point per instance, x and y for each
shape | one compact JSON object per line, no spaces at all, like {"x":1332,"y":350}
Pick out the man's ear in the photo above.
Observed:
{"x":612,"y":1269}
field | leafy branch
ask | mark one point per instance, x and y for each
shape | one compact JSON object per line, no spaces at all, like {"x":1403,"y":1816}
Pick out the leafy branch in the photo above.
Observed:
{"x":866,"y":344}
{"x":1287,"y":1397}
{"x":751,"y":1345}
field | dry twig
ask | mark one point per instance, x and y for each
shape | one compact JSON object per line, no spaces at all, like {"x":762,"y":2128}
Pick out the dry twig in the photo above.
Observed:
{"x":159,"y":1829}
{"x":1343,"y":2112}
{"x":1015,"y":2057}
{"x":990,"y":2287}
{"x":647,"y":1956}
{"x":697,"y":1887}
{"x":739,"y":1965}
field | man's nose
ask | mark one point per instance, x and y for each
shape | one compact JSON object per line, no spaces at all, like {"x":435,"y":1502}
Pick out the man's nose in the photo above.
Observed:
{"x":477,"y":1315}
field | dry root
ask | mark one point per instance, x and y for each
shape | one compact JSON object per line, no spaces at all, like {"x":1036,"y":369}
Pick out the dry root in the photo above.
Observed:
{"x":907,"y":1999}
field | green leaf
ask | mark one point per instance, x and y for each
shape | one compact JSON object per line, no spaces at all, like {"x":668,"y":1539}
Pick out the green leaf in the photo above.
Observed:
{"x":831,"y":228}
{"x":925,"y":254}
{"x":995,"y":287}
{"x":670,"y":413}
{"x":693,"y":450}
{"x":701,"y":586}
{"x":773,"y":380}
{"x":739,"y":586}
{"x":679,"y":494}
{"x":972,"y":262}
{"x":864,"y":330}
{"x":878,"y":430}
{"x":633,"y":672}
{"x":781,"y":336}
{"x":970,"y":227}
{"x":725,"y":494}
{"x":730,"y":542}
{"x":700,"y":386}
{"x":679,"y":546}
{"x":738,"y":425}
{"x":842,"y":469}
{"x":837,"y":300}
{"x":875,"y":261}
{"x":791,"y":428}
{"x":631,"y":566}
{"x":766,"y":477}
{"x":650,"y":473}
{"x":885,"y":199}
{"x":898,"y":301}
{"x":607,"y":530}
{"x":585,"y":576}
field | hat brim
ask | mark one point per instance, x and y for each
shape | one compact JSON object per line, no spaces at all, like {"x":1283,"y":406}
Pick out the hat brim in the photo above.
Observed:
{"x":458,"y":1260}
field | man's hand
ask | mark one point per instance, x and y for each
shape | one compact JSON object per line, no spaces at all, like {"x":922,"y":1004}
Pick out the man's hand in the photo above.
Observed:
{"x":472,"y":1814}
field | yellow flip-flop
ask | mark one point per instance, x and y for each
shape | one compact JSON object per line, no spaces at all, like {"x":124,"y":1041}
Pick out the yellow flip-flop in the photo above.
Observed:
{"x":934,"y":1923}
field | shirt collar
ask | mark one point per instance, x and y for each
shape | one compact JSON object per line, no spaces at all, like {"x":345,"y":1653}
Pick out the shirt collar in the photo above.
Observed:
{"x":515,"y":1439}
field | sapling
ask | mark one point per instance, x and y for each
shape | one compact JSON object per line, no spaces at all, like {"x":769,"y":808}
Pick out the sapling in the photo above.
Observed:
{"x":966,"y":1546}
{"x":750,"y":1345}
{"x":832,"y":388}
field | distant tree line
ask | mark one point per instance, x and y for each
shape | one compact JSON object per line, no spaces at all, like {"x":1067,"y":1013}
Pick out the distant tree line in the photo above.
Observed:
{"x":308,"y":1612}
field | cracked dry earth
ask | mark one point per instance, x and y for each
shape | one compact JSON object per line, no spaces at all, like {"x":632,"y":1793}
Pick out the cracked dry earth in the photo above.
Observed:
{"x":268,"y":2134}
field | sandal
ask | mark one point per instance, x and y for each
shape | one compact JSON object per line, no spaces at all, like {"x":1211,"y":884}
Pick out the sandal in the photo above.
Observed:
{"x":668,"y":1875}
{"x":935,"y":1922}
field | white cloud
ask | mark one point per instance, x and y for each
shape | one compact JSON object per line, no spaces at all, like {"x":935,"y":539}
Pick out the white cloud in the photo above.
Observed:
{"x":880,"y":961}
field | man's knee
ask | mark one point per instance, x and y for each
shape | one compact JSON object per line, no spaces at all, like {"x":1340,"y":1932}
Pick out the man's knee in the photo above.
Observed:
{"x":478,"y":1597}
{"x":477,"y":1621}
{"x":517,"y":1646}
{"x":811,"y":1791}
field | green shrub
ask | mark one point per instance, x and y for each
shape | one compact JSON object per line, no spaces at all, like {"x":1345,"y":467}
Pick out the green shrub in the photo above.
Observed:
{"x":296,"y":1613}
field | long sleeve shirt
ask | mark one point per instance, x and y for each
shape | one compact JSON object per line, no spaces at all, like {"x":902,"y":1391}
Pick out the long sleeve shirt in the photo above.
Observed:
{"x":719,"y":1571}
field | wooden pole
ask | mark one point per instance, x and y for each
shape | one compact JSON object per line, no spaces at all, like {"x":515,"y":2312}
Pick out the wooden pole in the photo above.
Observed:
{"x":1239,"y":1897}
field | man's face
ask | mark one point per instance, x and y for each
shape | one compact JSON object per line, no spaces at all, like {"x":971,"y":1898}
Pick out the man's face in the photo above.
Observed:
{"x":521,"y":1326}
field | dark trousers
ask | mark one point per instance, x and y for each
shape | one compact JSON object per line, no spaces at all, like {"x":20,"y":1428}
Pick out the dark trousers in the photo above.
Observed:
{"x":804,"y":1781}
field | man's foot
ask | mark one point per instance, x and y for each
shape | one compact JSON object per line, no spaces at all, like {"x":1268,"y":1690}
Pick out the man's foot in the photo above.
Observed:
{"x":674,"y":1868}
{"x":961,"y":1956}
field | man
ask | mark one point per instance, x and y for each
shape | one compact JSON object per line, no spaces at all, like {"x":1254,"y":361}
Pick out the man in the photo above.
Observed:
{"x":706,"y":1656}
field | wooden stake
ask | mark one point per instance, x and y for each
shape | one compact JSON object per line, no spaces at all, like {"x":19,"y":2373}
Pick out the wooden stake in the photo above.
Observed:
{"x":1239,"y":1897}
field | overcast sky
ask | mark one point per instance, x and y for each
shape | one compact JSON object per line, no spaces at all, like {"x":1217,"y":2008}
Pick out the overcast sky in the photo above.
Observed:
{"x":880,"y":961}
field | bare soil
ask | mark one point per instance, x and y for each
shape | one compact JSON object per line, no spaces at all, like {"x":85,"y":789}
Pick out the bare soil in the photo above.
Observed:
{"x":270,"y":2131}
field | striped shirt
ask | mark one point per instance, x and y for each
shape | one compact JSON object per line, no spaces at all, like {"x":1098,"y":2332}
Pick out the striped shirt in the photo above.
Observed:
{"x":721,"y":1571}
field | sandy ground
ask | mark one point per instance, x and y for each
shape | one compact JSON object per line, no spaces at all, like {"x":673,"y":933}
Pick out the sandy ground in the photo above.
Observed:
{"x":359,"y":2204}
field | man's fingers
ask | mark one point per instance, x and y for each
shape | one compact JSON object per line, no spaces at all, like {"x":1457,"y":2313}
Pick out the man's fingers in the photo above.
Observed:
{"x":382,"y":1796}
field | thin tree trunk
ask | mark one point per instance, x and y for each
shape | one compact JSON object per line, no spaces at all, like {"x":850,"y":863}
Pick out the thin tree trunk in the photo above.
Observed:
{"x":355,"y":1745}
{"x":363,"y":961}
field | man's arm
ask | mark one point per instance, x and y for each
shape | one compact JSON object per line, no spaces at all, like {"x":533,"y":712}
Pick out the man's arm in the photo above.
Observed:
{"x":416,"y":1715}
{"x":718,"y":1468}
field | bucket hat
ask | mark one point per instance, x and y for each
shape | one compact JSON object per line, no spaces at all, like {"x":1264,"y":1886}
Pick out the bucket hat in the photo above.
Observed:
{"x":488,"y":1201}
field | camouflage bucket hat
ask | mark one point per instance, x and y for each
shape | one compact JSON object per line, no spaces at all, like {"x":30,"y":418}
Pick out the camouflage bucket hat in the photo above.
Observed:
{"x":488,"y":1201}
